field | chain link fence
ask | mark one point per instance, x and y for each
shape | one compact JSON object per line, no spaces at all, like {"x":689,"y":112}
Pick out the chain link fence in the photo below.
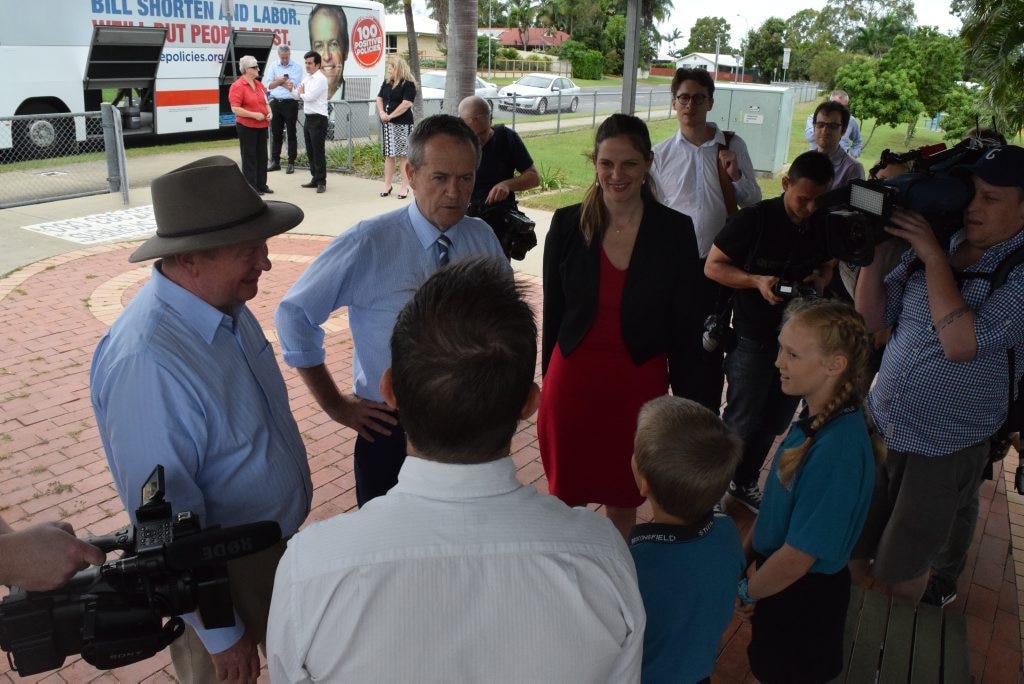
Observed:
{"x":46,"y":157}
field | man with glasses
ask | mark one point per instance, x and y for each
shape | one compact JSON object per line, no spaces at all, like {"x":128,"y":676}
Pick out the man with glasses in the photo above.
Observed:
{"x":328,"y":35}
{"x":705,"y":173}
{"x":831,"y":120}
{"x":851,"y":142}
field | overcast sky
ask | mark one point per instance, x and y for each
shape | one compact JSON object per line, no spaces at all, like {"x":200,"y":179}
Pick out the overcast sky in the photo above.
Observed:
{"x":754,"y":12}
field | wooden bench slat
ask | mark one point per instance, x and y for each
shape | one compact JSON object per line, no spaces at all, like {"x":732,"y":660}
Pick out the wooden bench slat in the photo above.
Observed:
{"x":956,"y":667}
{"x":867,"y":642}
{"x":850,"y":631}
{"x":927,"y":656}
{"x":899,"y":639}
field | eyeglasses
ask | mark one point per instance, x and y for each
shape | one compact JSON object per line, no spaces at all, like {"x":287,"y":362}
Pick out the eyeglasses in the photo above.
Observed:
{"x":253,"y":67}
{"x":822,"y":125}
{"x":697,"y":100}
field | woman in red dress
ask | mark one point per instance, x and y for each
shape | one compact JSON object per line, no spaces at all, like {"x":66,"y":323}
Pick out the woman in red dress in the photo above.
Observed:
{"x":620,"y":273}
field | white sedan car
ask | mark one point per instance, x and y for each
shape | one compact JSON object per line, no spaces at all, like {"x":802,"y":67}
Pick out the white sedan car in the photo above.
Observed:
{"x":432,"y":86}
{"x":540,"y":93}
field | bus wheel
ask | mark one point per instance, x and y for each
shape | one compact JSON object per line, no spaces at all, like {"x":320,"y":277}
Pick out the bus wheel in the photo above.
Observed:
{"x":40,"y":138}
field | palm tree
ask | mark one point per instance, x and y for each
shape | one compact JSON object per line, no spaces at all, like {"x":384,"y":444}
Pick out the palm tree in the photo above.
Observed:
{"x":521,"y":13}
{"x":462,"y":47}
{"x":994,"y":33}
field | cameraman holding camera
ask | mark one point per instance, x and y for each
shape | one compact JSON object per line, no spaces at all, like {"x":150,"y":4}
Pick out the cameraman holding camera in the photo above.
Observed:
{"x":502,"y":153}
{"x":768,"y":254}
{"x":44,"y":556}
{"x":941,"y":391}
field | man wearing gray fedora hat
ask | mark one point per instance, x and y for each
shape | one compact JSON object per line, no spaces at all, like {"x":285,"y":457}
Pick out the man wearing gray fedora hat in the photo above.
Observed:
{"x":185,"y":378}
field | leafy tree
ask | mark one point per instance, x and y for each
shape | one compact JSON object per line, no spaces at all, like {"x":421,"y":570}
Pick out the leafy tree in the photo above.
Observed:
{"x":877,"y":34}
{"x":802,"y":28}
{"x":615,"y":43}
{"x":485,"y":46}
{"x":826,"y":64}
{"x":846,"y":16}
{"x":932,"y":60}
{"x":888,"y":97}
{"x":764,"y":47}
{"x":706,"y":33}
{"x":965,"y":108}
{"x":491,"y":13}
{"x":522,"y":14}
{"x":994,"y":33}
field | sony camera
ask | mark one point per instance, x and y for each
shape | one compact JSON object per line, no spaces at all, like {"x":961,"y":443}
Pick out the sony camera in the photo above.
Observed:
{"x":718,"y":332}
{"x":791,"y":289}
{"x":114,"y":614}
{"x":853,"y":217}
{"x":515,"y":230}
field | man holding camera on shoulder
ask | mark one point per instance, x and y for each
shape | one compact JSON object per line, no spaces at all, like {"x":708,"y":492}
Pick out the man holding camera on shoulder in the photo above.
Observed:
{"x":768,"y":254}
{"x":502,"y":154}
{"x":941,"y":391}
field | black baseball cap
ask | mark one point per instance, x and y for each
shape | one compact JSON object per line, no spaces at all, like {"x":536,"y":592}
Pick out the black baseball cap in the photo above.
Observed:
{"x":1001,"y":166}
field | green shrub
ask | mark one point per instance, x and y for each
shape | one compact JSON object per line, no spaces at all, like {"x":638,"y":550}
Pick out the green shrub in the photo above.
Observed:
{"x":588,"y":64}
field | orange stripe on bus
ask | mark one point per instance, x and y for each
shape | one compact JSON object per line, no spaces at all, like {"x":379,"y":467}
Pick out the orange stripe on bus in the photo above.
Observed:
{"x":171,"y":98}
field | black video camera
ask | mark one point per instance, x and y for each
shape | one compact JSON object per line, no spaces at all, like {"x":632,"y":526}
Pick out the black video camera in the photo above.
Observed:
{"x":515,"y":230}
{"x":853,"y":217}
{"x":791,"y":289}
{"x":113,"y":614}
{"x":717,"y":331}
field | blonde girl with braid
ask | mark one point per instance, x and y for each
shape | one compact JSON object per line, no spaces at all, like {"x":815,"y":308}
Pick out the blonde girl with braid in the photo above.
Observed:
{"x":797,"y":588}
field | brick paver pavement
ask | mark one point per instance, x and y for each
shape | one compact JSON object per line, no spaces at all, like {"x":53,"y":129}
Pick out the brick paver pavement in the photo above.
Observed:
{"x":52,"y":313}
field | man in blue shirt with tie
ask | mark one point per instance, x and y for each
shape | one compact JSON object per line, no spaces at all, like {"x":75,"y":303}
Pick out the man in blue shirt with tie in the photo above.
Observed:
{"x":282,"y":80}
{"x":186,"y":379}
{"x":373,"y":269}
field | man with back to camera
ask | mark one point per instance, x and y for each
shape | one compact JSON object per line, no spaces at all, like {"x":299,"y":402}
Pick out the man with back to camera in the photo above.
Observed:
{"x":328,"y":35}
{"x":761,"y":250}
{"x":502,"y":154}
{"x":313,"y":93}
{"x":941,"y":391}
{"x":281,"y":80}
{"x":373,"y":269}
{"x":185,"y":378}
{"x":851,"y":140}
{"x":707,"y":175}
{"x":831,"y":120}
{"x":460,"y":573}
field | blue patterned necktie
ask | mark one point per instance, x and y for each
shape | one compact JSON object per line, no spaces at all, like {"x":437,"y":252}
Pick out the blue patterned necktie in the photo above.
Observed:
{"x":444,"y":243}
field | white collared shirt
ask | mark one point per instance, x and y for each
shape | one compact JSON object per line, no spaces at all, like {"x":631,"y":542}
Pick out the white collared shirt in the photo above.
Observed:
{"x":686,"y":176}
{"x":458,"y":574}
{"x":314,"y":93}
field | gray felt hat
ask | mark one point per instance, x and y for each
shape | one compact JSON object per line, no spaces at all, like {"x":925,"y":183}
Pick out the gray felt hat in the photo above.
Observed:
{"x":208,"y":204}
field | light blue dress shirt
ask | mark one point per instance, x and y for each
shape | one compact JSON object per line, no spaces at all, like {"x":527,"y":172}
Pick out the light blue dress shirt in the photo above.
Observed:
{"x":373,"y":268}
{"x":275,"y":70}
{"x":175,"y":382}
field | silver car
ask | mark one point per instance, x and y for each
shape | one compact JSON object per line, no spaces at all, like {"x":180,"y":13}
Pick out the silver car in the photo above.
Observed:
{"x":432,"y":86}
{"x":540,"y":93}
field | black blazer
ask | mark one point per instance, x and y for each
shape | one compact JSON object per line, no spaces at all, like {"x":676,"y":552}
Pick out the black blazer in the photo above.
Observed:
{"x":660,"y":314}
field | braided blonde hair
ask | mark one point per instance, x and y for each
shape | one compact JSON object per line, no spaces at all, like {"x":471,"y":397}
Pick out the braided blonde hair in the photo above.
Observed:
{"x":841,"y":331}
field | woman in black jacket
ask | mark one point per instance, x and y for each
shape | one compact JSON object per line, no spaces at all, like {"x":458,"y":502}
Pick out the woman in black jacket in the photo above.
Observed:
{"x":620,"y":273}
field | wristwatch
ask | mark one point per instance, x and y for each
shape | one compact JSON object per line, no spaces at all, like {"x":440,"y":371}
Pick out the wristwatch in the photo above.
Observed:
{"x":741,"y":591}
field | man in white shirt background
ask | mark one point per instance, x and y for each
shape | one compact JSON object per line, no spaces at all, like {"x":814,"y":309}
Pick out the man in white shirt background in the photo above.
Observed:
{"x":459,"y":572}
{"x":705,"y":173}
{"x":313,"y":93}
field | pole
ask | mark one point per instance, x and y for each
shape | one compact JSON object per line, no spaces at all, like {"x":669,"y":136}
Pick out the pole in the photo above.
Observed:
{"x":490,"y":22}
{"x":743,"y":43}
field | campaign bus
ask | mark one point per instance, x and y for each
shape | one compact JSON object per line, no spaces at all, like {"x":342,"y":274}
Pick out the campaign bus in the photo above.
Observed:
{"x":166,"y":64}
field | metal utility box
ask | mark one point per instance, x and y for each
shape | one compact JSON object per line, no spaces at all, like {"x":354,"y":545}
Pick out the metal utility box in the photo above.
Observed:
{"x":761,"y":115}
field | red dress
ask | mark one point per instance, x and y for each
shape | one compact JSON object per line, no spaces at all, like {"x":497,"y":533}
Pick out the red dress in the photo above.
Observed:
{"x":589,"y":405}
